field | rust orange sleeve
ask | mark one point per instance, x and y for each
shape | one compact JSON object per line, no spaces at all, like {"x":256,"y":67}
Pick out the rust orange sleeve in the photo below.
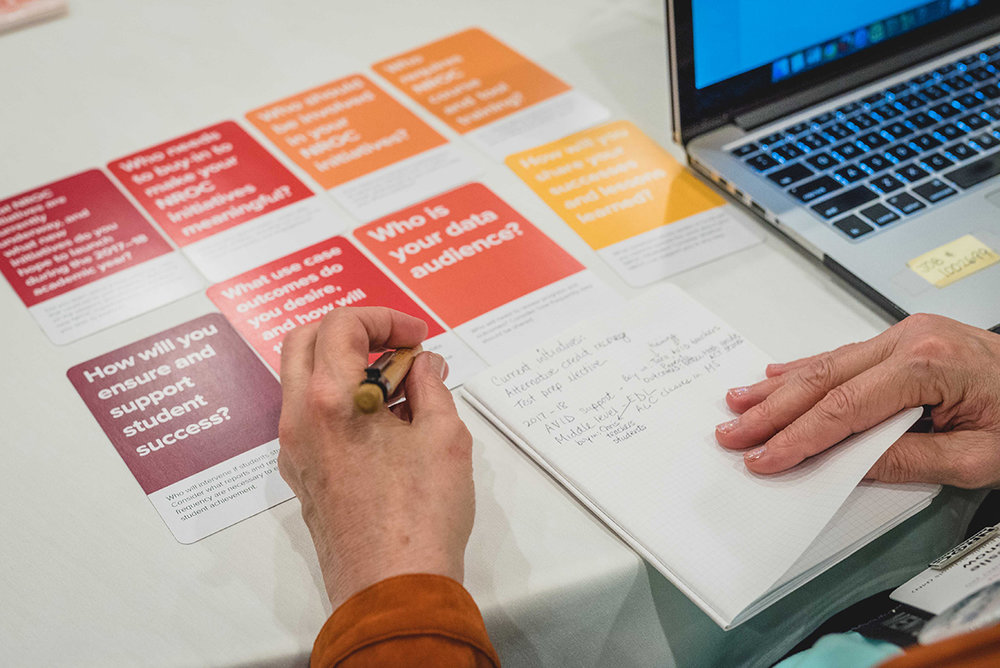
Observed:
{"x":407,"y":620}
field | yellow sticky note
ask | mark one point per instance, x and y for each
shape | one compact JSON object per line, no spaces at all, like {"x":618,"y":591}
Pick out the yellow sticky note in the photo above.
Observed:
{"x":953,"y":261}
{"x":612,"y":182}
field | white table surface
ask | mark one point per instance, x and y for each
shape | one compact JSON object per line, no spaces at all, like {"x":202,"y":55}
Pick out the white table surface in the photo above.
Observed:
{"x":89,"y":575}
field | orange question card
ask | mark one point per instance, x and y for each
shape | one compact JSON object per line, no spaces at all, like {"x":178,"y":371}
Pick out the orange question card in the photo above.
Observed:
{"x":344,"y":129}
{"x":612,"y":182}
{"x":470,"y":79}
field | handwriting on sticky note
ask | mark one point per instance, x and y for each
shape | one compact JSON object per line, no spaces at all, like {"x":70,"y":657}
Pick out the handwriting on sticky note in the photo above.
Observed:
{"x":953,"y":261}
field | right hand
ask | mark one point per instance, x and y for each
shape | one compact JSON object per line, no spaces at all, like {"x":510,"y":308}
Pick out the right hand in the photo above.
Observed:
{"x":383,"y":494}
{"x":809,"y":405}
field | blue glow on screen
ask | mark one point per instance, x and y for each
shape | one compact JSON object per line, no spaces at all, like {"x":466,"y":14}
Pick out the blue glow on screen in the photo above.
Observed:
{"x":736,"y":36}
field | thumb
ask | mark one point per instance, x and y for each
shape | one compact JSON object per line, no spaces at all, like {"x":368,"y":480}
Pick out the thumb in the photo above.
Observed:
{"x":961,"y":458}
{"x":426,"y":392}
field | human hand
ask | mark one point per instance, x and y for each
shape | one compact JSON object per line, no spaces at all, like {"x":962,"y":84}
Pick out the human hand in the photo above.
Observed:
{"x":806,"y":406}
{"x":383,"y":494}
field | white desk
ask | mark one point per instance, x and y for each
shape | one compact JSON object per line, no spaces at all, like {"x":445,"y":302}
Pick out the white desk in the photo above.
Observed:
{"x":90,"y":575}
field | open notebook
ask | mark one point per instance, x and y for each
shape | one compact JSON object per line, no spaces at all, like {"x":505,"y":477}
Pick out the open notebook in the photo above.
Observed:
{"x":621,"y":410}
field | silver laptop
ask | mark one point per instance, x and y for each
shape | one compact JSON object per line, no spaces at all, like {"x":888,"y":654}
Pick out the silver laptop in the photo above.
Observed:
{"x":866,"y":131}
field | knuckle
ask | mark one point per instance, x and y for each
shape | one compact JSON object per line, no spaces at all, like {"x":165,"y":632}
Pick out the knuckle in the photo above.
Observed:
{"x":819,"y":374}
{"x":837,"y":405}
{"x":762,"y":412}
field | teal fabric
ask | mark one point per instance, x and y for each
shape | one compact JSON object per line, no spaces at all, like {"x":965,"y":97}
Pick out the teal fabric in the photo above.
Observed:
{"x":842,"y":649}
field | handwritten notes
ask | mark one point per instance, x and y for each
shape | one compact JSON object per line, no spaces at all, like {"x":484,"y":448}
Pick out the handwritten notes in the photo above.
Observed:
{"x":621,"y":410}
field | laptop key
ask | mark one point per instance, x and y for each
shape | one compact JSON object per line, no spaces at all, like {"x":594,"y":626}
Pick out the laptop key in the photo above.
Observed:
{"x":873,"y":140}
{"x":772,"y":138}
{"x":788,"y":151}
{"x":925,"y":142}
{"x":876,"y":163}
{"x":911,"y":102}
{"x":961,"y":151}
{"x":898,"y":129}
{"x":973,"y":121}
{"x":905,"y":203}
{"x":823,"y":119}
{"x":880,"y":214}
{"x":958,"y":82}
{"x":886,"y":111}
{"x":814,"y":140}
{"x":839,"y":131}
{"x":838,"y":204}
{"x":911,"y":172}
{"x":899,"y":88}
{"x":798,"y":128}
{"x":975,"y":172}
{"x":969,"y":100}
{"x":853,"y":226}
{"x":851,"y":173}
{"x":791,"y":174}
{"x":901,"y":151}
{"x":989,"y":91}
{"x":950,"y":131}
{"x":945,"y":110}
{"x":745,"y":150}
{"x":934,"y":92}
{"x":980,"y":73}
{"x":821,"y":161}
{"x":920,"y":120}
{"x":862,"y":121}
{"x":986,"y":141}
{"x":810,"y":190}
{"x":936,"y":161}
{"x":848,"y":150}
{"x":762,"y":162}
{"x":934,"y":190}
{"x":886,"y":183}
{"x":849,"y":108}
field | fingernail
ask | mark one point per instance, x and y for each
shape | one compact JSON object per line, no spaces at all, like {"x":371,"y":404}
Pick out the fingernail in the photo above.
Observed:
{"x":727,"y":427}
{"x":774,"y":369}
{"x":737,"y":392}
{"x":755,"y":454}
{"x":437,"y":363}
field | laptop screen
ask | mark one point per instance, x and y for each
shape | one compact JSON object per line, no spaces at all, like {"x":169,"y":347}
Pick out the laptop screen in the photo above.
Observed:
{"x":733,"y":55}
{"x":789,"y":37}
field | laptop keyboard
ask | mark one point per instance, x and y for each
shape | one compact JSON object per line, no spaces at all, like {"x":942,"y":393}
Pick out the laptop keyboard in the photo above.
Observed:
{"x":874,"y":162}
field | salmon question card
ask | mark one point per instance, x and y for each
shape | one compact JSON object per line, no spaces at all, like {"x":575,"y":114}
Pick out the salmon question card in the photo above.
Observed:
{"x":82,"y":258}
{"x":483,"y":89}
{"x":373,"y":154}
{"x":194,"y":415}
{"x":227,"y":202}
{"x":631,"y":201}
{"x":485,"y":270}
{"x":270,"y":301}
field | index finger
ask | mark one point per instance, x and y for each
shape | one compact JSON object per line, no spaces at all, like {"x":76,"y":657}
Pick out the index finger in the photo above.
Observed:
{"x":346,"y":336}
